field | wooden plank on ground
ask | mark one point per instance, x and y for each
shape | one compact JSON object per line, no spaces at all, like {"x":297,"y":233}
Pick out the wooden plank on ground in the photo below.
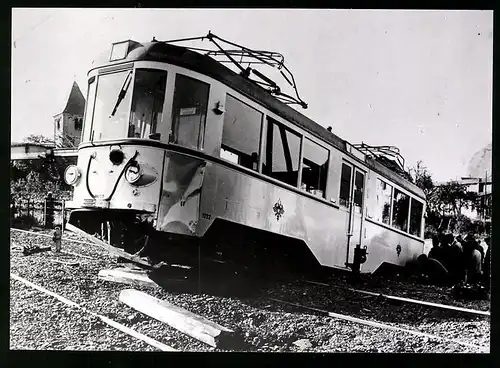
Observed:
{"x":181,"y":319}
{"x":113,"y":250}
{"x":127,"y":276}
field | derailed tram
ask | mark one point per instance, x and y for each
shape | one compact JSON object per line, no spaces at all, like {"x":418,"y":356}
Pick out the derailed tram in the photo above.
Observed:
{"x":181,"y":155}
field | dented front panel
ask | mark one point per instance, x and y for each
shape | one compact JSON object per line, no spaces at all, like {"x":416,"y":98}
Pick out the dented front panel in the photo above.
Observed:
{"x":180,"y":197}
{"x":102,"y":183}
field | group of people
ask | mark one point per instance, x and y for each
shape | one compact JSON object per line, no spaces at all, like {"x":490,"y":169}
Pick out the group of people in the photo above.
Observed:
{"x":454,"y":260}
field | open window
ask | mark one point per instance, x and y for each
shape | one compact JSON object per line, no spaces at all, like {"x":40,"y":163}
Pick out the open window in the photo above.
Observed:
{"x":282,"y":153}
{"x":189,"y":111}
{"x":147,"y":103}
{"x":383,"y":196}
{"x":314,"y":168}
{"x":345,"y":185}
{"x":359,"y":188}
{"x":241,"y":134}
{"x":400,"y":207}
{"x":416,"y":212}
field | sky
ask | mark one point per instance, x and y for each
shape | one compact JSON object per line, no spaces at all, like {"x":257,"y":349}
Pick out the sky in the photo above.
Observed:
{"x":418,"y":80}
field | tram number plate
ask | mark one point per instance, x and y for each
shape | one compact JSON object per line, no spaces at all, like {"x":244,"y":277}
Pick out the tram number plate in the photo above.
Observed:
{"x":98,"y":203}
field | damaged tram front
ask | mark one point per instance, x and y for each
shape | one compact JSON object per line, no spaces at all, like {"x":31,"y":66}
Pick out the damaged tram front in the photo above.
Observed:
{"x":140,"y":165}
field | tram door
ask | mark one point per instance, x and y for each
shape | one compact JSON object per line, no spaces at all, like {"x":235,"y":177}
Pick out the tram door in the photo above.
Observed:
{"x":351,"y":198}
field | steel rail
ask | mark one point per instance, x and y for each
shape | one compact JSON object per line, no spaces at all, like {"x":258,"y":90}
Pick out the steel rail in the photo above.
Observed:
{"x":127,"y":330}
{"x":409,"y":300}
{"x":381,"y":325}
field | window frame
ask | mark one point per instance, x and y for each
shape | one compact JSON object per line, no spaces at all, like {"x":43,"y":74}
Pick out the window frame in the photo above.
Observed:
{"x":287,"y":128}
{"x":98,"y":76}
{"x":371,"y":217}
{"x":301,"y":167}
{"x":351,"y":166}
{"x":201,"y":136}
{"x":92,"y":79}
{"x":158,"y":123}
{"x":421,"y":217}
{"x":261,"y":135}
{"x":406,"y":231}
{"x":362,"y":172}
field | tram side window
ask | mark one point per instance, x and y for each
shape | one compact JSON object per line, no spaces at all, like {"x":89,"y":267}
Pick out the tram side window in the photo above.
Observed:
{"x":241,"y":134}
{"x":147,"y":103}
{"x":189,"y":111}
{"x":345,"y":185}
{"x":400,"y":207}
{"x":383,"y":202}
{"x":359,"y":186}
{"x":416,"y":211}
{"x":314,"y":168}
{"x":282,"y":152}
{"x":89,"y":110}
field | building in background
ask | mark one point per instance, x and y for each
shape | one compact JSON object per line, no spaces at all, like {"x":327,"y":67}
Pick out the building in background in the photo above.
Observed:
{"x":478,"y":180}
{"x":69,"y":122}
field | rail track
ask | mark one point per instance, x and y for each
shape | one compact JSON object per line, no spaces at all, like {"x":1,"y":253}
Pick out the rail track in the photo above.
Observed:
{"x":129,"y":331}
{"x":264,"y":300}
{"x":408,"y":300}
{"x":385,"y":326}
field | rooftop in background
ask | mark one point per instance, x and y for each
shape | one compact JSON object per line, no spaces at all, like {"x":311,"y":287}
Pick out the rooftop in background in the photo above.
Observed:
{"x":75,"y":103}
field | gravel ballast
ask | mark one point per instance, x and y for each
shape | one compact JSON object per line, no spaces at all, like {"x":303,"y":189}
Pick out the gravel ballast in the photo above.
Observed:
{"x":267,"y":326}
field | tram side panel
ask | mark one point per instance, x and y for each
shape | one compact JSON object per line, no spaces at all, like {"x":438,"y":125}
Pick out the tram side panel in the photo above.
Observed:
{"x":241,"y":198}
{"x":386,"y":245}
{"x":383,"y":243}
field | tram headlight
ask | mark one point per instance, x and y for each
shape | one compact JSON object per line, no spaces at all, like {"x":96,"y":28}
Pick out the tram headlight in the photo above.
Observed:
{"x":72,"y":175}
{"x":133,"y":173}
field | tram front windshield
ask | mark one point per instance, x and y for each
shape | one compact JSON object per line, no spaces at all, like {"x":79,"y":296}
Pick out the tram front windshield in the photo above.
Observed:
{"x":127,"y":104}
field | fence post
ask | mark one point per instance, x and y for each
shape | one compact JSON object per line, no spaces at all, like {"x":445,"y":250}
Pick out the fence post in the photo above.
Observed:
{"x":50,"y":211}
{"x":63,"y":215}
{"x":45,"y":213}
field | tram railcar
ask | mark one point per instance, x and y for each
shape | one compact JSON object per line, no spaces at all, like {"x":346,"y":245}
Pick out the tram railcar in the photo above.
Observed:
{"x":175,"y":144}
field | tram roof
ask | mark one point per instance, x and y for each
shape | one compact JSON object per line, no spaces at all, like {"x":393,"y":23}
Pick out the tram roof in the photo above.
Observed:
{"x":204,"y":64}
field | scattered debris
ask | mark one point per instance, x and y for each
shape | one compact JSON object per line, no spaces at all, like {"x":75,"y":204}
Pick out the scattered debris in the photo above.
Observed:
{"x":303,"y":344}
{"x":73,"y":264}
{"x":474,"y":292}
{"x":33,"y":249}
{"x":127,"y":276}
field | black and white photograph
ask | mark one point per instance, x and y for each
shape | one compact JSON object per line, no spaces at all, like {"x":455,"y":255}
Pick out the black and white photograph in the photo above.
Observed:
{"x":251,"y":180}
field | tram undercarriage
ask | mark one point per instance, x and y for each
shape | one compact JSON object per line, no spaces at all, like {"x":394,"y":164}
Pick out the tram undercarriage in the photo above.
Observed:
{"x":244,"y":250}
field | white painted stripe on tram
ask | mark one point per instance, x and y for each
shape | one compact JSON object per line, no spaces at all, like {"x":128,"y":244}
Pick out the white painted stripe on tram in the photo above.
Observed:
{"x":110,"y":322}
{"x":383,"y":325}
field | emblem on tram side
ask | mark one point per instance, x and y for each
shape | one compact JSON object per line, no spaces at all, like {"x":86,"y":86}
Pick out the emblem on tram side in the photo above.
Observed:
{"x":398,"y":249}
{"x":278,"y":209}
